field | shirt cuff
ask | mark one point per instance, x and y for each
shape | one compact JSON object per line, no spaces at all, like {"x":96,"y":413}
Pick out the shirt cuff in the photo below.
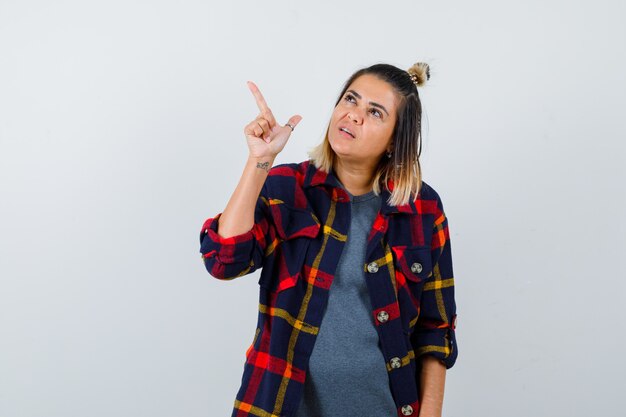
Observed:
{"x":226,"y":250}
{"x":438,"y":342}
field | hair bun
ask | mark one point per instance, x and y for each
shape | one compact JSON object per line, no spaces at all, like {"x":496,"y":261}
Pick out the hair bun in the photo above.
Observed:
{"x":419,"y":72}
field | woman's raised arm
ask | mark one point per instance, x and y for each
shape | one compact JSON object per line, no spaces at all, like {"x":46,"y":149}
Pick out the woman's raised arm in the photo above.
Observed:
{"x":266,"y":139}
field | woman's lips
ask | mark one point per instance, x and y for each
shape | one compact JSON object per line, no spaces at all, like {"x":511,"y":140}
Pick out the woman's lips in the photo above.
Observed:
{"x":345,"y":134}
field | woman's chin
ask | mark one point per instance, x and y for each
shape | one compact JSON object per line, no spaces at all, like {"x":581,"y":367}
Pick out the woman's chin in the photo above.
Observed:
{"x":340,"y":149}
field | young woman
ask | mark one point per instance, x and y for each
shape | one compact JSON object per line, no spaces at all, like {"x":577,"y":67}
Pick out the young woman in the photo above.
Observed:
{"x":357,"y":314}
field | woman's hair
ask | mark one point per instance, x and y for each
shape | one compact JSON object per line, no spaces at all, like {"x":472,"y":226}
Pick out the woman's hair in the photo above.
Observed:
{"x":403,"y":168}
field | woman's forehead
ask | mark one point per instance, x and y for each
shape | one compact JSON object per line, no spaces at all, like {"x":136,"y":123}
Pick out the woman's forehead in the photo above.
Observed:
{"x":372,"y":88}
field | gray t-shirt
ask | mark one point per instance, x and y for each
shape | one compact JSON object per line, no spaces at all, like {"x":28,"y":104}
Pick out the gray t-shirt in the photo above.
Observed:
{"x":347,"y":374}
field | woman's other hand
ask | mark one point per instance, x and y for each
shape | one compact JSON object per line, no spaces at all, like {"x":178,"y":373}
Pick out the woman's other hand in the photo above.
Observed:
{"x":266,"y":138}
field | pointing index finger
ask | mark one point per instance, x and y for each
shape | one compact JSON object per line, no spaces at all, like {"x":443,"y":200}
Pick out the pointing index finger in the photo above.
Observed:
{"x":260,"y":101}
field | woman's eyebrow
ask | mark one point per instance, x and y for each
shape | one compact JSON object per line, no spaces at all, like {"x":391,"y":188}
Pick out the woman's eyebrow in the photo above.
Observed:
{"x":371,"y":102}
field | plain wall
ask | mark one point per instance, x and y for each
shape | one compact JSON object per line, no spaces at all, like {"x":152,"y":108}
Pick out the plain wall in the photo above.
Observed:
{"x":121,"y":131}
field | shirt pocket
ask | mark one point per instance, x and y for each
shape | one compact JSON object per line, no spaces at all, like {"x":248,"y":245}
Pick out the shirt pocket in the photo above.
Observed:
{"x":415,"y":265}
{"x":295,"y":228}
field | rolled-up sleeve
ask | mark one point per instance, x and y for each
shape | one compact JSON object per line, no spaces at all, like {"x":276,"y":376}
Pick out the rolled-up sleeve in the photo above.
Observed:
{"x":435,"y":328}
{"x":231,"y":257}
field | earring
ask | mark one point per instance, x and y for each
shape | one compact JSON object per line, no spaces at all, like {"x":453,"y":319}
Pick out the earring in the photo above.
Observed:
{"x":389,"y":153}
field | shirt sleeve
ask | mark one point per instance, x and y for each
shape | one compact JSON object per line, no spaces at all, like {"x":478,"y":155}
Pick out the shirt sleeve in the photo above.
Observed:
{"x":435,"y":328}
{"x":231,"y":257}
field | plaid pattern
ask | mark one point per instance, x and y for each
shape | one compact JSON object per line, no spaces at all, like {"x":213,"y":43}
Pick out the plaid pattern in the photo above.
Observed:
{"x":301,"y":221}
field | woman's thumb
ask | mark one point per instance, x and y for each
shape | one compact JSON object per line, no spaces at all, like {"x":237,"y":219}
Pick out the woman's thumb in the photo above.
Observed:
{"x":294,"y":120}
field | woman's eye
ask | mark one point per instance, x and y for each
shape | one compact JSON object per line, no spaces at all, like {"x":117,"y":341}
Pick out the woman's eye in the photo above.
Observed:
{"x":376,"y":113}
{"x":350,"y":98}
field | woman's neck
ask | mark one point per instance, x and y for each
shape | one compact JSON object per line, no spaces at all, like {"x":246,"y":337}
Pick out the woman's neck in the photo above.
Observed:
{"x":357,"y":179}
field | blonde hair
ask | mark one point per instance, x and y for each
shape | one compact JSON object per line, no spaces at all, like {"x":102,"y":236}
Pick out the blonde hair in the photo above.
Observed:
{"x":402,"y":169}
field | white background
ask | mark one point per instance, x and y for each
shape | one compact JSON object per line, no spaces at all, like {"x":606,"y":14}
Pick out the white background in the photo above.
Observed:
{"x":121,"y":131}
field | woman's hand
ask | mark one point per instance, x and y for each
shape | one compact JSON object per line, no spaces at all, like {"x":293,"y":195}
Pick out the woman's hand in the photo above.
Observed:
{"x":266,"y":138}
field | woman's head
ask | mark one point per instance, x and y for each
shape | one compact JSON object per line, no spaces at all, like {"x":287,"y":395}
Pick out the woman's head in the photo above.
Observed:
{"x":377,"y":122}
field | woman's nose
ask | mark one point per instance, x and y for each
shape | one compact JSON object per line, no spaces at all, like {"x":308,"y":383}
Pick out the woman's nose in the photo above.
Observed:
{"x":354,"y":117}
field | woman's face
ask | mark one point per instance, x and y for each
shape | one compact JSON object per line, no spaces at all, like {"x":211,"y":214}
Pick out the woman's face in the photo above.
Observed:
{"x":367,"y":111}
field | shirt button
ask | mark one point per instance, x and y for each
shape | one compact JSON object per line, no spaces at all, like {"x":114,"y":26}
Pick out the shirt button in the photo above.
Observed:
{"x":407,"y":410}
{"x":382,"y":316}
{"x":395,"y":362}
{"x":372,"y":267}
{"x":416,"y":267}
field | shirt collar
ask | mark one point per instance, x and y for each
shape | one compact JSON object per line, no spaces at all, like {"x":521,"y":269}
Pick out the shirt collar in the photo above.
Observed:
{"x":316,"y":177}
